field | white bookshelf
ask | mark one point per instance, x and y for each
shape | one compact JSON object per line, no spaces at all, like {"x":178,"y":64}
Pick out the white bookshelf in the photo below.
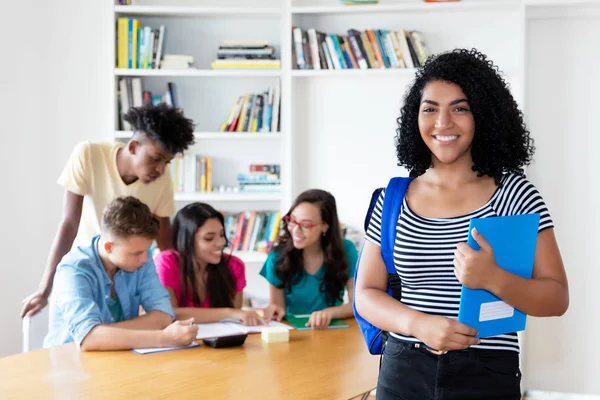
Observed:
{"x":337,"y":125}
{"x":200,"y":73}
{"x":195,"y":11}
{"x":366,"y":73}
{"x":219,"y":135}
{"x":405,"y":6}
{"x":227,"y":197}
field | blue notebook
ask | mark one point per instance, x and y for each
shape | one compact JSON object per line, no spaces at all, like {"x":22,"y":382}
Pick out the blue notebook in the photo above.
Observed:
{"x":513,"y":239}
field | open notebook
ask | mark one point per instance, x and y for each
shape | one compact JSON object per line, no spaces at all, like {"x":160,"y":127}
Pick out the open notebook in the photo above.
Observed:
{"x":299,"y":322}
{"x":228,"y":327}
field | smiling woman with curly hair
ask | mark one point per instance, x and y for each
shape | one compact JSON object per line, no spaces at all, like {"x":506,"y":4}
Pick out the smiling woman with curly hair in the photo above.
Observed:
{"x":462,"y":135}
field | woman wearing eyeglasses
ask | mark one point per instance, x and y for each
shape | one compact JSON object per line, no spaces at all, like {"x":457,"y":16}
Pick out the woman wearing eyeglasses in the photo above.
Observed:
{"x":310,"y":265}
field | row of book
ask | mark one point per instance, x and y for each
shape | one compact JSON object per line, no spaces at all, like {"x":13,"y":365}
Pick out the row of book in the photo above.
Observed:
{"x":252,"y":230}
{"x":130,"y":93}
{"x":138,"y":47}
{"x":373,"y":48}
{"x":192,"y":173}
{"x":260,"y":178}
{"x":257,"y":112}
{"x":246,"y":54}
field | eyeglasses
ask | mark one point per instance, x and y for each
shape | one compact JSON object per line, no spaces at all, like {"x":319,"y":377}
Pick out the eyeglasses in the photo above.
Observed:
{"x":304,"y":226}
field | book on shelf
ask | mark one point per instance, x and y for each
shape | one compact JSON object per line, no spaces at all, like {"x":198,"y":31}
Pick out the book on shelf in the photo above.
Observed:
{"x":177,"y":61}
{"x":370,"y":49}
{"x":192,"y":173}
{"x":246,"y":54}
{"x":255,"y":112}
{"x":260,"y":178}
{"x":130,"y":93}
{"x":138,"y":47}
{"x":252,"y":230}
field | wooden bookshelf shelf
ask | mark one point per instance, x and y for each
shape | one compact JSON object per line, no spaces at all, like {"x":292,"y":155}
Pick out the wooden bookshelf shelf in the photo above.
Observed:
{"x":219,"y":135}
{"x":202,"y":11}
{"x":192,"y":72}
{"x":228,"y":197}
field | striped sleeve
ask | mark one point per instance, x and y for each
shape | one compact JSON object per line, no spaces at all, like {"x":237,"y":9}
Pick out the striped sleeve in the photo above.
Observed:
{"x":373,"y":233}
{"x":522,"y":197}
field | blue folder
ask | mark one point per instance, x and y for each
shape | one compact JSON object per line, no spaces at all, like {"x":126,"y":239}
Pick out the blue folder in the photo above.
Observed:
{"x":513,"y":239}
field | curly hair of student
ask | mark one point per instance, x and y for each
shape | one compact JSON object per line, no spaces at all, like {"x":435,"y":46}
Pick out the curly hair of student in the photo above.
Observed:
{"x":289,"y":262}
{"x":163,"y":124}
{"x":501,"y":143}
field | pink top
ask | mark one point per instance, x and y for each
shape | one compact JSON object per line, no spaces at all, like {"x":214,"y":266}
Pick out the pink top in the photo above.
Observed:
{"x":167,"y":268}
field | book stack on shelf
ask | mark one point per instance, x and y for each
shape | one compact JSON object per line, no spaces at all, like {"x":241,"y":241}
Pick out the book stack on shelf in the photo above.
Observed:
{"x":176,"y":61}
{"x":131,"y":94}
{"x":138,"y":47}
{"x":262,"y":178}
{"x":373,"y":48}
{"x":240,"y":54}
{"x":192,"y":173}
{"x":255,"y":112}
{"x":252,"y":230}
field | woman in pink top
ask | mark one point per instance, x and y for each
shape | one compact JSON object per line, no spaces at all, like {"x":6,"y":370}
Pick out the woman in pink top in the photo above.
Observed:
{"x":203,"y":283}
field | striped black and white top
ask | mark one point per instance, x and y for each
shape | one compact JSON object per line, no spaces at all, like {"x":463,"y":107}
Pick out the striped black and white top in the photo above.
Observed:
{"x":424,"y":251}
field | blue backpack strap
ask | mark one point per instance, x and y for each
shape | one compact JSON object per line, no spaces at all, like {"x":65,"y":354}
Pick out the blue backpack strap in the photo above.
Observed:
{"x":392,"y":203}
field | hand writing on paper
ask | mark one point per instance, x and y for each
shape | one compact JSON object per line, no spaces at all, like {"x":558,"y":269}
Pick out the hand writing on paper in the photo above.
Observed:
{"x":179,"y":333}
{"x":248,"y":318}
{"x":273,"y":312}
{"x":320,"y":319}
{"x":475,"y":269}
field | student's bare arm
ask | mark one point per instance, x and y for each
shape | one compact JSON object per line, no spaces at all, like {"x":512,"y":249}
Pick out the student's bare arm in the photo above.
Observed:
{"x":63,"y":241}
{"x":112,"y":337}
{"x":165,"y":239}
{"x":275,"y":310}
{"x":547,"y":293}
{"x":149,"y":321}
{"x":345,"y":310}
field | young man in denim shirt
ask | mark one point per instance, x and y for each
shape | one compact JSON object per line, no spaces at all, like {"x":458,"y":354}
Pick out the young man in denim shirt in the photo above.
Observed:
{"x":99,"y":288}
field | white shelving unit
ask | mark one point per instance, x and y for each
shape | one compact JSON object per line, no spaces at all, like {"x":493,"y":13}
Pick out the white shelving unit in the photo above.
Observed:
{"x":337,"y":126}
{"x":199,"y":73}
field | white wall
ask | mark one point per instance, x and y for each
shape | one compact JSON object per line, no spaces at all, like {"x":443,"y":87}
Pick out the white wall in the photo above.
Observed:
{"x":563,"y":88}
{"x":55,"y":73}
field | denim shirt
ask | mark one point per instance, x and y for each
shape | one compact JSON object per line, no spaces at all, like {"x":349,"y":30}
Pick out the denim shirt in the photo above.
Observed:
{"x":81,"y":293}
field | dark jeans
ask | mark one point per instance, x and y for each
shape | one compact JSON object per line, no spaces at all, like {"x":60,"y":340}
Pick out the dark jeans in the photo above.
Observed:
{"x":409,"y":372}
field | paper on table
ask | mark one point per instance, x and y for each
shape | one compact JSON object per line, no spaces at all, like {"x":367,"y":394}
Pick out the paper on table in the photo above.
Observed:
{"x":228,"y":327}
{"x":161,"y":349}
{"x":217,"y":329}
{"x":259,"y":328}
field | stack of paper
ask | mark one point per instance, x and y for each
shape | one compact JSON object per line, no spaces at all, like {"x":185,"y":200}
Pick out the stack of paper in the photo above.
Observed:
{"x":160,"y":349}
{"x":228,"y":327}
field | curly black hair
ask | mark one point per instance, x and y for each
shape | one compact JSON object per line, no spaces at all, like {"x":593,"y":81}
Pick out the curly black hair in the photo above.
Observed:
{"x":501,"y":144}
{"x":289,"y":262}
{"x":163,"y":124}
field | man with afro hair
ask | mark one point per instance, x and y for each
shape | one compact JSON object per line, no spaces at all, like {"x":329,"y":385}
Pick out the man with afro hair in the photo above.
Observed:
{"x":97,"y":173}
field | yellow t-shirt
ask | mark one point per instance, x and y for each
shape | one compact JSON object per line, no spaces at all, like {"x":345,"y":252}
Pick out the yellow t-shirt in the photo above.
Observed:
{"x":92,"y":172}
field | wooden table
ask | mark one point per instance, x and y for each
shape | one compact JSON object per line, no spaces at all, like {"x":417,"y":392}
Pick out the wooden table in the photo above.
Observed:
{"x":325,"y":365}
